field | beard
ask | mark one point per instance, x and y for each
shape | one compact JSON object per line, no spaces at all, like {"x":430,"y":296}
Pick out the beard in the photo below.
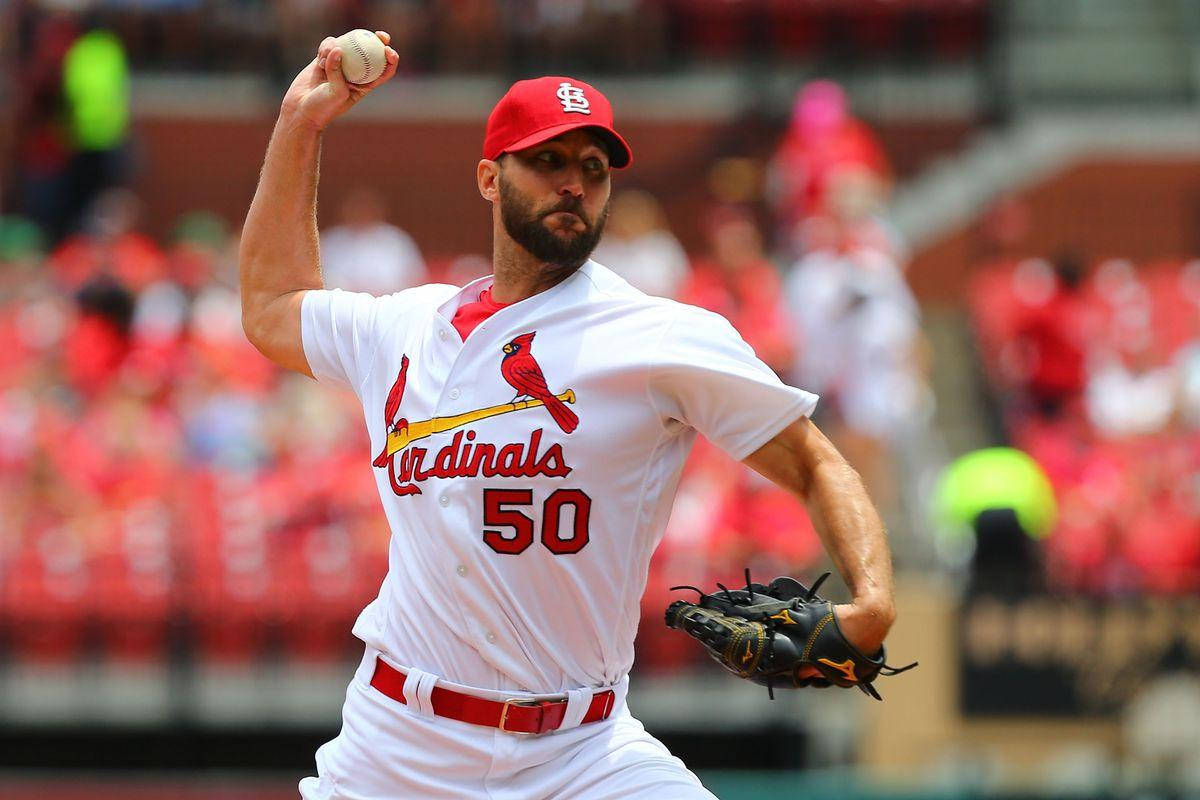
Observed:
{"x":528,"y":229}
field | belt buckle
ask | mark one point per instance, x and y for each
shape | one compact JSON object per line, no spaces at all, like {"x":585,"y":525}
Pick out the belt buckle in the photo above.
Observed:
{"x":539,"y":704}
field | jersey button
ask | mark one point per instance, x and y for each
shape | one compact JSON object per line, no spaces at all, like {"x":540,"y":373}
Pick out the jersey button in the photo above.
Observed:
{"x":491,"y":637}
{"x":454,"y":394}
{"x":461,"y":569}
{"x":442,"y":335}
{"x":444,"y":500}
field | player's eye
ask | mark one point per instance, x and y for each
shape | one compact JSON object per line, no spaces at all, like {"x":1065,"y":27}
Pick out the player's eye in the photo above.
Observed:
{"x":595,"y":165}
{"x":549,"y":158}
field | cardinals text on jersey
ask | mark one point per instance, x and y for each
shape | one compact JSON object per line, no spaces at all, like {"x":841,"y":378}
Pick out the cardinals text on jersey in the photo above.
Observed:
{"x":408,"y":464}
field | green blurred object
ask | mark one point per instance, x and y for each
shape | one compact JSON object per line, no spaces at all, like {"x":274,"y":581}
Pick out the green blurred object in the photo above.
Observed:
{"x":96,"y":86}
{"x":20,"y":239}
{"x":997,"y":477}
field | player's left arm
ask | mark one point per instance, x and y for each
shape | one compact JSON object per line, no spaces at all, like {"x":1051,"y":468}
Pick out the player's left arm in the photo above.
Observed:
{"x":801,"y":459}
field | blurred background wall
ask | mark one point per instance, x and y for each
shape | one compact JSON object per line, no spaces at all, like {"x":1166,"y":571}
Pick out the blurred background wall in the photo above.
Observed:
{"x":973,"y":226}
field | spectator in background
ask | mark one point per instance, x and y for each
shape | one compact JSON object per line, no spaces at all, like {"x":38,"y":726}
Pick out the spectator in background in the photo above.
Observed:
{"x":109,"y":244}
{"x":857,"y":320}
{"x":997,"y":502}
{"x":97,"y":344}
{"x":639,"y":246}
{"x":1048,"y":362}
{"x":367,"y":254}
{"x":1131,"y":390}
{"x":201,"y":251}
{"x":862,"y":345}
{"x":738,"y":281}
{"x":33,"y":316}
{"x":1131,"y":394}
{"x":822,"y":139}
{"x":1187,"y":365}
{"x":848,"y":280}
{"x":42,"y":150}
{"x":853,"y":218}
{"x":96,"y":104}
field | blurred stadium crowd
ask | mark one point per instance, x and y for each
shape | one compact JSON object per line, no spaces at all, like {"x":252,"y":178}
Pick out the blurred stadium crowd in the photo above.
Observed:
{"x":166,"y":488}
{"x":1097,"y":372}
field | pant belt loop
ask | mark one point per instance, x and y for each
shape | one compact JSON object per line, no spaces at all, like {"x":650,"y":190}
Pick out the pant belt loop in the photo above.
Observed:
{"x":418,"y":688}
{"x":578,"y":701}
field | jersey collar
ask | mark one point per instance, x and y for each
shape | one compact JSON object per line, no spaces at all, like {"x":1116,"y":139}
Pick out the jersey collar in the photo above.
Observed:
{"x":472,"y":290}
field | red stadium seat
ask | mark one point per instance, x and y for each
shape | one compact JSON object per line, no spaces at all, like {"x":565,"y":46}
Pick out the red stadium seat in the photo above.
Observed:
{"x":232,"y":601}
{"x":46,"y":598}
{"x":134,"y":605}
{"x":321,"y":575}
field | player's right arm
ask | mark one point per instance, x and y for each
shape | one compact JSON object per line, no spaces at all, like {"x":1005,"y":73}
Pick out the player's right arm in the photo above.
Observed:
{"x":279,"y":255}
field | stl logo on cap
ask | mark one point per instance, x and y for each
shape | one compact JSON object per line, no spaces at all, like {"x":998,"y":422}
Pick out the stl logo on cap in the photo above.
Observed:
{"x":538,"y":109}
{"x":573,"y":99}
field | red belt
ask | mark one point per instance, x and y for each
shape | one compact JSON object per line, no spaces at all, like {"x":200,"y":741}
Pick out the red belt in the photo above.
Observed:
{"x":511,"y":716}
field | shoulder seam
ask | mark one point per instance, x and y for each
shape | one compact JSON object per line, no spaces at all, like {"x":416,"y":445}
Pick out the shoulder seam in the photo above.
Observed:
{"x":596,"y":285}
{"x":379,"y":336}
{"x":653,"y":362}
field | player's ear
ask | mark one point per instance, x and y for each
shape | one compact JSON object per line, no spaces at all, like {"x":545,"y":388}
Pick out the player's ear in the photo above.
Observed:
{"x":487,"y":175}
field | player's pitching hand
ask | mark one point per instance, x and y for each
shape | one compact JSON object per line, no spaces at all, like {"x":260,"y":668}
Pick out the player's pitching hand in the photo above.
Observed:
{"x":321,"y":93}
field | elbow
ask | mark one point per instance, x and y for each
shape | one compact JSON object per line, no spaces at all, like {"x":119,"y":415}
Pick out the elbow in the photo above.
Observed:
{"x":883,"y":612}
{"x":249,"y":328}
{"x":253,"y":323}
{"x":257,"y":332}
{"x":250,"y":315}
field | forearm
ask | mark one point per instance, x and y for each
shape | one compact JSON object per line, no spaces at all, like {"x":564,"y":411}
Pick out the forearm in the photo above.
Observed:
{"x":803,"y":460}
{"x":280,"y":250}
{"x":853,"y":534}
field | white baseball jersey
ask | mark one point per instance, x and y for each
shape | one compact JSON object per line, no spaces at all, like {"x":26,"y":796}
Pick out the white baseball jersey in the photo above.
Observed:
{"x":528,"y":472}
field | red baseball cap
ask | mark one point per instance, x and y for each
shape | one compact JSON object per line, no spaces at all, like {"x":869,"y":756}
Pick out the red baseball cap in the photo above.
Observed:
{"x":535,"y":110}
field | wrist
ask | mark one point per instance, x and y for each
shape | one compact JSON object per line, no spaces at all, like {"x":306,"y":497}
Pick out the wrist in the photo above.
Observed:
{"x":879,"y":609}
{"x":292,"y":121}
{"x":865,"y":626}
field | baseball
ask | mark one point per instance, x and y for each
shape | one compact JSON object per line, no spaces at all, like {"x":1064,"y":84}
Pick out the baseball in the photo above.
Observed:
{"x":363,"y":58}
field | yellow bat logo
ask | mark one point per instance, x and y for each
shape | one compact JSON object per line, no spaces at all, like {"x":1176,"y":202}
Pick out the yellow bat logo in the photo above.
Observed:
{"x":783,"y":615}
{"x":846,"y":668}
{"x":747,"y":655}
{"x":399,"y":439}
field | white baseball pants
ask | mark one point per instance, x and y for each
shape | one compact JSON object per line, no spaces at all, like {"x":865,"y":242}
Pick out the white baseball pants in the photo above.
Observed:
{"x":392,"y":751}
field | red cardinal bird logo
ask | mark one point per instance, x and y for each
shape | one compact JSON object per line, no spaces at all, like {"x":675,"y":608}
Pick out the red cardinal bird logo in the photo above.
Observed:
{"x":523,"y":374}
{"x":390,"y":408}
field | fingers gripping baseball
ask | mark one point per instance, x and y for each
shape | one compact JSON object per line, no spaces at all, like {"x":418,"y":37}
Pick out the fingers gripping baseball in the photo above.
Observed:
{"x":321,"y":93}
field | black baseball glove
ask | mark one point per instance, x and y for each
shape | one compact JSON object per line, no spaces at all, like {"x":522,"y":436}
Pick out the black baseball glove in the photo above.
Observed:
{"x":768,"y":634}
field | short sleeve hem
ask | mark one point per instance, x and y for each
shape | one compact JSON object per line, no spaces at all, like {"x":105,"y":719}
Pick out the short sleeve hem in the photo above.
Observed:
{"x":312,"y":355}
{"x":805,"y":404}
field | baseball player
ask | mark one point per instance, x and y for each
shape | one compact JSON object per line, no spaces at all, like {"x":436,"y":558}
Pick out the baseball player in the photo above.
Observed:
{"x":527,"y":435}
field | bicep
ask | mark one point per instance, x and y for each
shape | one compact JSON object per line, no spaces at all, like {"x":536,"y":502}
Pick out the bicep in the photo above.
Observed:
{"x":791,"y":457}
{"x":275,"y":330}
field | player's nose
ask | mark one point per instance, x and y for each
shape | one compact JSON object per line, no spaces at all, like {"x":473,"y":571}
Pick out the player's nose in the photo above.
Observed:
{"x":572,"y":184}
{"x":572,"y":190}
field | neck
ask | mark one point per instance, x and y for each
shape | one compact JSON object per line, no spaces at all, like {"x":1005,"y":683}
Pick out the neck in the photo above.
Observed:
{"x":518,"y":275}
